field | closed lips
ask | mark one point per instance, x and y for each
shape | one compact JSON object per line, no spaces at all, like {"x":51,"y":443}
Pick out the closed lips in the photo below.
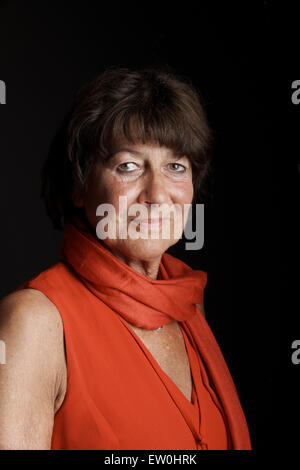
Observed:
{"x":150,"y":221}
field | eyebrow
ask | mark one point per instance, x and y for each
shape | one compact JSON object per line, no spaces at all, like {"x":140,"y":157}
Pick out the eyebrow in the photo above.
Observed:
{"x":125,"y":149}
{"x":136,"y":152}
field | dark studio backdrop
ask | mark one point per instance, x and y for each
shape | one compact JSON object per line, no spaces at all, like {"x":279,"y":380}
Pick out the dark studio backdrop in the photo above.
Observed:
{"x":49,"y":49}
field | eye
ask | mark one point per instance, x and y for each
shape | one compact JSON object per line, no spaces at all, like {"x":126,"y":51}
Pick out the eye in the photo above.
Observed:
{"x":126,"y":167}
{"x":177,"y":168}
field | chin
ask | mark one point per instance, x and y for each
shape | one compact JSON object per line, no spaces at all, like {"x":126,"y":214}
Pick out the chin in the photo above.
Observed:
{"x":141,"y":249}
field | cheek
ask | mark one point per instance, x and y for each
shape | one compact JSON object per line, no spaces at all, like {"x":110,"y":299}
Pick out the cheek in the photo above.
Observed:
{"x":98,"y":192}
{"x":108,"y":190}
{"x":101,"y":190}
{"x":183,"y":193}
{"x":127,"y":190}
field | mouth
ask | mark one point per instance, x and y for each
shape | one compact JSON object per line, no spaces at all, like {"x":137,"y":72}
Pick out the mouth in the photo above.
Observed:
{"x":150,"y":222}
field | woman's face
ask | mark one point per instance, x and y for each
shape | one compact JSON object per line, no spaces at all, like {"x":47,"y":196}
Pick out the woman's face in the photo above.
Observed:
{"x":148,"y":175}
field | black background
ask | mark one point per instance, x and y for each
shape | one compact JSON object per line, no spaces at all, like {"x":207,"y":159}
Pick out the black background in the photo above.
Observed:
{"x":238,"y":58}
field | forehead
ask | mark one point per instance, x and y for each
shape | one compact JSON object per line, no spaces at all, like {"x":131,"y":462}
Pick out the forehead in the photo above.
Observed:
{"x":143,"y":150}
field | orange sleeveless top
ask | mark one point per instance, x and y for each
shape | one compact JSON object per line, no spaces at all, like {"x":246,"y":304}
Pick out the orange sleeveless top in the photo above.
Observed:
{"x":118,"y":397}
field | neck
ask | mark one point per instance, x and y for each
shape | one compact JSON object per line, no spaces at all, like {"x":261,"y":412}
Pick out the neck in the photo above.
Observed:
{"x":148,"y":268}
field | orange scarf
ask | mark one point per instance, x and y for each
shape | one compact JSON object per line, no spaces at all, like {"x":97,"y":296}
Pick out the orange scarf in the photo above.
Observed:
{"x":142,"y":301}
{"x":149,"y":304}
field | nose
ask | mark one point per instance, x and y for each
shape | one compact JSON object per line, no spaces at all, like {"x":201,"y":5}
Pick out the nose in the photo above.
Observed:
{"x":155,"y":189}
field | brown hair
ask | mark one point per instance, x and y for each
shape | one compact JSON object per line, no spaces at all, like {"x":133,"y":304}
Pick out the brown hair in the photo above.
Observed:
{"x":148,"y":105}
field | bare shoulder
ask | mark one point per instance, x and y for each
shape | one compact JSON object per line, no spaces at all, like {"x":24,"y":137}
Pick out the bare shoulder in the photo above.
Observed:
{"x":27,"y":315}
{"x":26,"y":305}
{"x":33,"y":378}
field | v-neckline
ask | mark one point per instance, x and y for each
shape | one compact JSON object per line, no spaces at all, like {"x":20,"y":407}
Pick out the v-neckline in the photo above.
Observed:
{"x":166,"y":379}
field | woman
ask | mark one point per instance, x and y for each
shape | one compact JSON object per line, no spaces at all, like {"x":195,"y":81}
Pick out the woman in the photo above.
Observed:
{"x":109,"y":347}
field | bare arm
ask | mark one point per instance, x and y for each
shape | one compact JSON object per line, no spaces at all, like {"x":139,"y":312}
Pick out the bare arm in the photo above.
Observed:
{"x":32,"y":378}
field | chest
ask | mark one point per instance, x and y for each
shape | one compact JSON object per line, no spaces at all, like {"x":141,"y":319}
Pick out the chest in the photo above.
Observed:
{"x":168,"y":348}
